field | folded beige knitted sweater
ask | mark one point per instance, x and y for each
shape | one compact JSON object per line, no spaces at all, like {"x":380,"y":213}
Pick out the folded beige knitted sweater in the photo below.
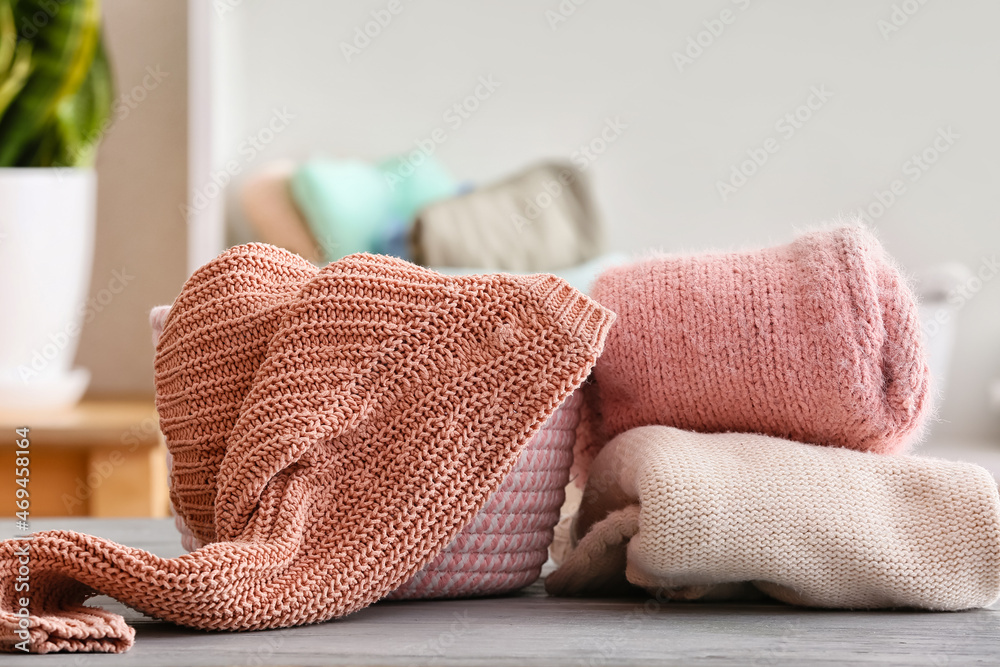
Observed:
{"x":686,"y":514}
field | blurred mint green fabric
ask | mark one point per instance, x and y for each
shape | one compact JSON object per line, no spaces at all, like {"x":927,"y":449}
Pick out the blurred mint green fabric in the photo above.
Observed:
{"x":353,"y":206}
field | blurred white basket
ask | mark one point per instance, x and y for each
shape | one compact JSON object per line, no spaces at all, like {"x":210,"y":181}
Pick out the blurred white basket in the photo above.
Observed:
{"x":938,"y":318}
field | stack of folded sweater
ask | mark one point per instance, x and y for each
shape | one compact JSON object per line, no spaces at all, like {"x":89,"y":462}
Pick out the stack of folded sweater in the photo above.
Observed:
{"x":745,"y":426}
{"x":334,"y":430}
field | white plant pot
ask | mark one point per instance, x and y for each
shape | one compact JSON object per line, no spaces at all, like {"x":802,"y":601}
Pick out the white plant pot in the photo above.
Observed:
{"x":47,"y":219}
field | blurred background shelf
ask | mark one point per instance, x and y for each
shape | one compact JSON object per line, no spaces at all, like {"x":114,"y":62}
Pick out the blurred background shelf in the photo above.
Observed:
{"x":99,"y":458}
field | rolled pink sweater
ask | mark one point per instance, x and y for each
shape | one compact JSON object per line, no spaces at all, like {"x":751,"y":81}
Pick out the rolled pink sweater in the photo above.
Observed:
{"x":816,"y":341}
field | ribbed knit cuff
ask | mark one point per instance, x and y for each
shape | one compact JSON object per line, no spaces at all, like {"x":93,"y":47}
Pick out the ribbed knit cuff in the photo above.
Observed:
{"x":76,"y":629}
{"x":574,"y":312}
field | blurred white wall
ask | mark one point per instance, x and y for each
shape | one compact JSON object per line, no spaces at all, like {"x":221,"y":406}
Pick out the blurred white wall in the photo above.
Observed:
{"x":890,"y":90}
{"x":142,"y":178}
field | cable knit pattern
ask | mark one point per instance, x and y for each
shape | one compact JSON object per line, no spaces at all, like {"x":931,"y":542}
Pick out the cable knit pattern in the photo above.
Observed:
{"x":817,"y":526}
{"x":332,"y":431}
{"x":817,"y":341}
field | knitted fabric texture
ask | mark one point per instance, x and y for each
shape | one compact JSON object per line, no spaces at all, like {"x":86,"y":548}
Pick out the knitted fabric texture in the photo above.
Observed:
{"x":681,"y":513}
{"x":504,"y":547}
{"x":332,"y":431}
{"x":817,"y":341}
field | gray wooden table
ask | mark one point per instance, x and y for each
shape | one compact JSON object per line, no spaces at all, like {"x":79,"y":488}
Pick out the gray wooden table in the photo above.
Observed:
{"x":532,"y":629}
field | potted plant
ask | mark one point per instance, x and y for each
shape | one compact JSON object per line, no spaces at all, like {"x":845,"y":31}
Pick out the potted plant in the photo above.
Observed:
{"x":56,"y":93}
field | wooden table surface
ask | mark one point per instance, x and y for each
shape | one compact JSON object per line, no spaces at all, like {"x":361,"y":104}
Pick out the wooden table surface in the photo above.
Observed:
{"x":532,"y":629}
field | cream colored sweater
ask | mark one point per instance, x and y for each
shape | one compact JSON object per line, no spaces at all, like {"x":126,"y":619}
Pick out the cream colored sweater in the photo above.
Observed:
{"x":687,"y":515}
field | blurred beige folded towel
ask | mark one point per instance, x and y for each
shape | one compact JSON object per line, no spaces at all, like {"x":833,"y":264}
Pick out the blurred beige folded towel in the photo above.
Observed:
{"x":542,"y":219}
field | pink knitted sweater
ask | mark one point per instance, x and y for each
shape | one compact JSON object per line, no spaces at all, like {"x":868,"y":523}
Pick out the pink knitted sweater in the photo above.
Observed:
{"x":504,"y":547}
{"x":332,"y":430}
{"x":816,"y":341}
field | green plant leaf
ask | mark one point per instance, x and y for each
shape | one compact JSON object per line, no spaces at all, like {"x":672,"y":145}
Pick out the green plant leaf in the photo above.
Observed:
{"x":8,"y":36}
{"x":15,"y":59}
{"x":42,"y":152}
{"x":13,"y":80}
{"x":80,"y":119}
{"x":64,"y":42}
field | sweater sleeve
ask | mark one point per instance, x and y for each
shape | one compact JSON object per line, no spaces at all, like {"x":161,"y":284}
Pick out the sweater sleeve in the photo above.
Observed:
{"x":62,"y":569}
